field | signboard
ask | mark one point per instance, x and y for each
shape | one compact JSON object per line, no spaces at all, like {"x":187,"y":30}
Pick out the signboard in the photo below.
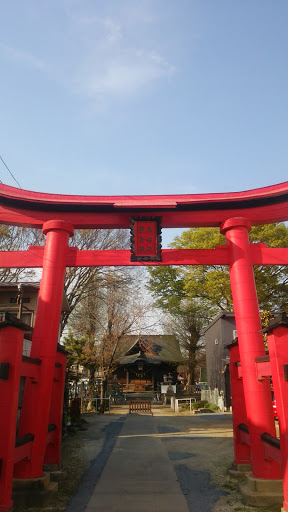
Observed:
{"x":145,"y":238}
{"x":164,"y":388}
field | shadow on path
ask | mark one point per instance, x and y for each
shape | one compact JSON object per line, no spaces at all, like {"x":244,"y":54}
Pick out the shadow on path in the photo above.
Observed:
{"x":91,"y":476}
{"x":196,"y":487}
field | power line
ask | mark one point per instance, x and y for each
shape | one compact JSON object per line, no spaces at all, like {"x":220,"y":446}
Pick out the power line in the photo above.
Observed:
{"x":10,"y":172}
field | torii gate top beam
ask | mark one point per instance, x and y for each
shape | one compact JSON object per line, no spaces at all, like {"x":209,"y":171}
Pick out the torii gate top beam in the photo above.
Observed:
{"x":261,"y":206}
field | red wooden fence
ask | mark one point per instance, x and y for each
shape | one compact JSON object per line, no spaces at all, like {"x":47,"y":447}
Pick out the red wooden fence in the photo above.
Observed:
{"x":13,"y":366}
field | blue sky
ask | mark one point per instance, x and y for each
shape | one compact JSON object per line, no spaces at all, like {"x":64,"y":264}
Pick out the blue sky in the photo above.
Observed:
{"x":144,"y":96}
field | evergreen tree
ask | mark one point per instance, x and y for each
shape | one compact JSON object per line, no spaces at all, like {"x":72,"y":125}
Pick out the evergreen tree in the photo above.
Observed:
{"x":211,"y":284}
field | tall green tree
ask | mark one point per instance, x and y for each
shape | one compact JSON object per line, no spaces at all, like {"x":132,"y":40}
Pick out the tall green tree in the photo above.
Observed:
{"x":186,"y":321}
{"x":192,"y":295}
{"x":211,"y":284}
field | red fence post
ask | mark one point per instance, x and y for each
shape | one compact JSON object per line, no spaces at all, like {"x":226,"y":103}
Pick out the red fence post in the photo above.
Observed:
{"x":257,"y":393}
{"x":37,"y":399}
{"x":11,"y":345}
{"x":278,"y":352}
{"x":241,"y":451}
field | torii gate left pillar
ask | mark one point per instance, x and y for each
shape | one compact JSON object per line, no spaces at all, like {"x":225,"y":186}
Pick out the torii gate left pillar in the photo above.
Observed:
{"x":36,"y":403}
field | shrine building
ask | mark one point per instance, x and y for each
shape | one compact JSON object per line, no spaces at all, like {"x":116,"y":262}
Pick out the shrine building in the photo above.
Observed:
{"x":144,"y":360}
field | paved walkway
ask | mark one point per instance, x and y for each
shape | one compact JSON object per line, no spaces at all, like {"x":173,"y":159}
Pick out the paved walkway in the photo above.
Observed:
{"x":162,"y":463}
{"x":138,"y":474}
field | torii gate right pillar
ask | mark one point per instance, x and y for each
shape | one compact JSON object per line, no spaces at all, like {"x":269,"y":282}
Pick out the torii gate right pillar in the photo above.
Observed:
{"x":257,"y":393}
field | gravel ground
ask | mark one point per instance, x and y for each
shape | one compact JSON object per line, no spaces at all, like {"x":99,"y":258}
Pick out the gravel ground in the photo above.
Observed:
{"x":199,"y":446}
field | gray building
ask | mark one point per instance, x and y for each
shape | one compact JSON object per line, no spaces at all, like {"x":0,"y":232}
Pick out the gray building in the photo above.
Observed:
{"x":220,"y":333}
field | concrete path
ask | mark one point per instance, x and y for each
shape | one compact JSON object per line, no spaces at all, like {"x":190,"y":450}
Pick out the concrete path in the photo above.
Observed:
{"x":138,"y":474}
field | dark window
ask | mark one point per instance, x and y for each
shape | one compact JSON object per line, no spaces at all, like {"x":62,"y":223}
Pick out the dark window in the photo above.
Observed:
{"x":25,"y":300}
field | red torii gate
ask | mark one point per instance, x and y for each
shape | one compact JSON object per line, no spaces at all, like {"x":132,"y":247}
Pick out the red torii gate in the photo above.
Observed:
{"x":59,"y":215}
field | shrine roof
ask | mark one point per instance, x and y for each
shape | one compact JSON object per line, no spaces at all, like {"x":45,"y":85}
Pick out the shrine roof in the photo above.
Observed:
{"x":159,"y":347}
{"x":140,"y":356}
